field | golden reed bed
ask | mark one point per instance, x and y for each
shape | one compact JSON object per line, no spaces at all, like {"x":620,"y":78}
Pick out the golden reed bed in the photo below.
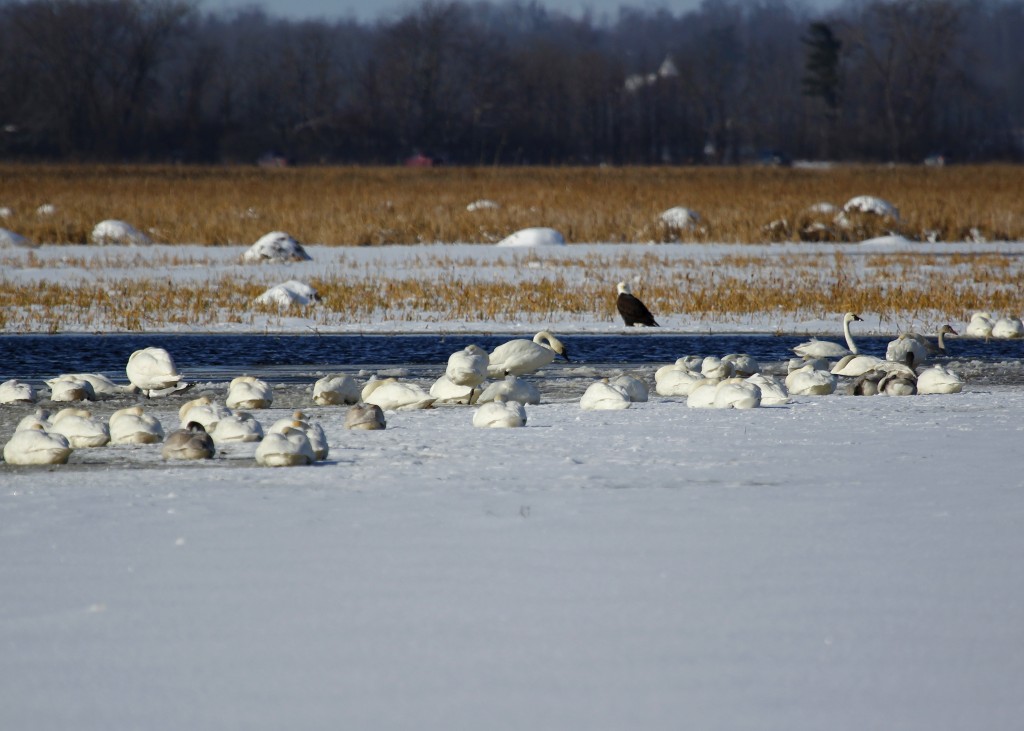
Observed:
{"x":366,"y":206}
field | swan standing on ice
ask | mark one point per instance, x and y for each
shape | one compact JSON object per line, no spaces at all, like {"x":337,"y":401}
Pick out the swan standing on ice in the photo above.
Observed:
{"x":152,"y":371}
{"x":499,"y":414}
{"x":468,"y":367}
{"x":899,"y":349}
{"x":365,"y":417}
{"x":631,"y":309}
{"x":602,"y":396}
{"x":512,"y":388}
{"x":815,"y":348}
{"x":521,"y":356}
{"x":191,"y":442}
{"x":35,"y":446}
{"x":980,"y":325}
{"x":249,"y":392}
{"x":133,"y":426}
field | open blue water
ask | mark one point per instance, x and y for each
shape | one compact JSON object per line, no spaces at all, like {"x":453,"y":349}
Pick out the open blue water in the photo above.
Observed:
{"x":34,"y":357}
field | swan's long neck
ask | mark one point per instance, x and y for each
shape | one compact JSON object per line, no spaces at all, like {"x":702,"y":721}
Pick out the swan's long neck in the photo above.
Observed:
{"x":942,"y":341}
{"x":546,"y":339}
{"x":849,"y":338}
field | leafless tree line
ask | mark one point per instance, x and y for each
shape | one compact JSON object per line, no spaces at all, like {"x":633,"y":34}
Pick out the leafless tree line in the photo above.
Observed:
{"x":487,"y":83}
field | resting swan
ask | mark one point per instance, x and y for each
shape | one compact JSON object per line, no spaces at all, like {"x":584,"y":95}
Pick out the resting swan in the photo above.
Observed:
{"x":249,"y":392}
{"x":602,"y":396}
{"x":807,"y":381}
{"x":521,"y":356}
{"x":190,"y":442}
{"x":287,"y":447}
{"x":938,"y":379}
{"x":512,"y":388}
{"x":133,"y":426}
{"x":500,"y":414}
{"x":80,"y":428}
{"x":35,"y":445}
{"x":152,"y":371}
{"x":815,"y":348}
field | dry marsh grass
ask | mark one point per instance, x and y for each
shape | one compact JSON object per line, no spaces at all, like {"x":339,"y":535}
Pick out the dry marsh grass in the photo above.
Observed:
{"x":367,"y":206}
{"x":901,"y":288}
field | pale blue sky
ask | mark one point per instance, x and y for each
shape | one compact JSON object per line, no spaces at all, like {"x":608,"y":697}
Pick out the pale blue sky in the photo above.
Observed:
{"x":373,"y":9}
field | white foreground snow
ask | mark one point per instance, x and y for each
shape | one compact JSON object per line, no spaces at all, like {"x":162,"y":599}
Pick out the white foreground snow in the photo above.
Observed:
{"x":837,"y":563}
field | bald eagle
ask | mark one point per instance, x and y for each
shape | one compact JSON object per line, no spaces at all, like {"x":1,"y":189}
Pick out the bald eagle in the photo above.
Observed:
{"x":633,"y":311}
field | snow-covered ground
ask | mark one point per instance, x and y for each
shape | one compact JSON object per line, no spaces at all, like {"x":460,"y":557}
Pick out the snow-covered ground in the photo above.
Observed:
{"x":835,"y":563}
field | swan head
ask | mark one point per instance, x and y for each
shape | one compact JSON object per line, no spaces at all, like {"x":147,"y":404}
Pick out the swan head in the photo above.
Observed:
{"x":852,"y":317}
{"x":546,"y":338}
{"x":948,"y":330}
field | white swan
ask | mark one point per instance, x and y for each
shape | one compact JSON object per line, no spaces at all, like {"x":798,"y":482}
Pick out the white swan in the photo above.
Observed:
{"x":602,"y":396}
{"x":737,"y":393}
{"x":633,"y":387}
{"x":447,"y":392}
{"x":677,"y":381}
{"x":133,"y":426}
{"x":101,"y":385}
{"x":808,"y":381}
{"x":249,"y":392}
{"x":190,"y":442}
{"x":521,"y":356}
{"x":939,"y":379}
{"x":336,"y":389}
{"x":899,"y":349}
{"x":512,"y":388}
{"x":815,"y":348}
{"x":855,"y":365}
{"x":365,"y":417}
{"x":392,"y":395}
{"x":702,"y":395}
{"x":288,"y":447}
{"x":468,"y":367}
{"x":773,"y":391}
{"x":204,"y":410}
{"x":716,"y":368}
{"x":1008,"y":328}
{"x":70,"y":387}
{"x":81,"y":428}
{"x":240,"y":426}
{"x":39,"y":416}
{"x":36,"y":446}
{"x":499,"y":414}
{"x":152,"y":371}
{"x":743,"y":365}
{"x":14,"y":391}
{"x":313,"y":431}
{"x":980,"y":325}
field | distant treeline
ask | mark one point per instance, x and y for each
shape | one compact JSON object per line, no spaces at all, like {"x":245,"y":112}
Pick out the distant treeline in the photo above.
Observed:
{"x":513,"y":83}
